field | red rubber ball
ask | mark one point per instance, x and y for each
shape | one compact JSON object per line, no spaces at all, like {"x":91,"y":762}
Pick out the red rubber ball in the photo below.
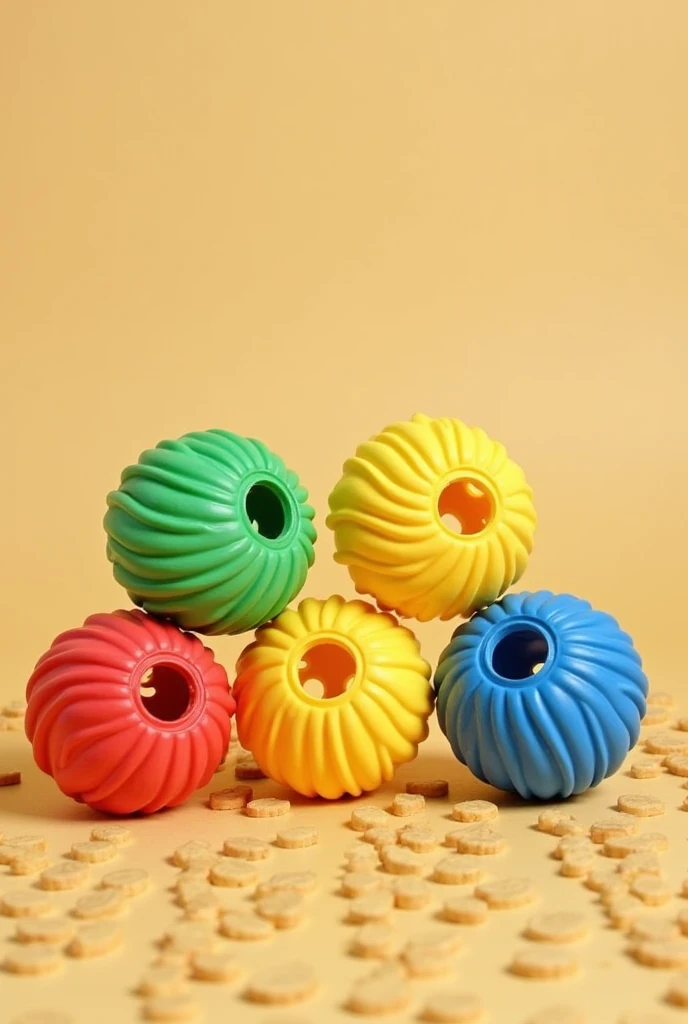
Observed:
{"x":128,"y":714}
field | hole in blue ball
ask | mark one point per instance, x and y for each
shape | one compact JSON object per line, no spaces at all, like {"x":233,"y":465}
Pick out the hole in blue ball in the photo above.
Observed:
{"x":520,"y":654}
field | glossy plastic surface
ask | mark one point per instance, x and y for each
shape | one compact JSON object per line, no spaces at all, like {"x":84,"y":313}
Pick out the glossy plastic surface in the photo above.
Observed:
{"x":369,"y":714}
{"x":106,"y":739}
{"x":211,"y":531}
{"x":550,"y":733}
{"x":432,"y":519}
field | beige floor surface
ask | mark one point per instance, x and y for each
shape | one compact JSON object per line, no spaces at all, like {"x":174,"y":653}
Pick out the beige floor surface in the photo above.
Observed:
{"x":608,"y":984}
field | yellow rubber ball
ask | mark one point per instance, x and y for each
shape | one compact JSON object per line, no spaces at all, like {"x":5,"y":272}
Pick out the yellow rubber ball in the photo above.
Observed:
{"x":332,"y":696}
{"x":432,"y":519}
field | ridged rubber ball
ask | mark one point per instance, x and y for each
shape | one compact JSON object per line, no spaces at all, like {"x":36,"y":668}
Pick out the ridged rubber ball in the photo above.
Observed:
{"x":211,"y":531}
{"x":432,"y":519}
{"x":106,"y":739}
{"x":332,"y":696}
{"x":541,"y":694}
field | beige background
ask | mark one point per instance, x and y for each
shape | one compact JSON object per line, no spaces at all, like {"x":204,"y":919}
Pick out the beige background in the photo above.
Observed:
{"x":305,"y":220}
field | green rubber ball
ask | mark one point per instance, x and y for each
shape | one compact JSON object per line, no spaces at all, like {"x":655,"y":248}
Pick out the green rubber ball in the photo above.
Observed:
{"x":211,"y":531}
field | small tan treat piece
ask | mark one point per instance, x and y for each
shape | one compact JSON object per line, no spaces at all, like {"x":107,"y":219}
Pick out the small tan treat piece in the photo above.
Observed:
{"x":51,"y":931}
{"x":246,"y":848}
{"x":117,"y":834}
{"x":189,"y":887}
{"x":247,"y":770}
{"x":14,"y":709}
{"x":96,"y":939}
{"x":459,"y":869}
{"x":430,"y":954}
{"x":31,"y":960}
{"x":383,"y":992}
{"x":465,"y":910}
{"x":624,"y":846}
{"x":614,"y":889}
{"x":418,"y":839}
{"x":616,"y":825}
{"x":302,"y":882}
{"x":283,"y":909}
{"x":185,"y":853}
{"x":475,"y":811}
{"x":572,"y":844}
{"x":639,"y":864}
{"x":646,"y":768}
{"x":67,"y":875}
{"x":578,"y":863}
{"x":95,"y":905}
{"x":410,"y":892}
{"x":600,"y":878}
{"x":200,"y":864}
{"x":398,"y":860}
{"x":662,"y":954}
{"x":551,"y":817}
{"x":267,"y":807}
{"x":27,"y":845}
{"x":360,"y":858}
{"x":130,"y":881}
{"x":375,"y":940}
{"x":163,"y":980}
{"x":431,"y":789}
{"x":404,"y":804}
{"x":654,"y":929}
{"x":682,"y":724}
{"x":8,"y":777}
{"x":650,"y":889}
{"x":297,"y":838}
{"x":204,"y":906}
{"x":480,"y":840}
{"x":283,"y":984}
{"x":233,"y":873}
{"x":438,"y":942}
{"x":569,"y":827}
{"x":655,"y":714}
{"x":185,"y":939}
{"x":24,"y":903}
{"x":682,"y":921}
{"x":231,"y":799}
{"x":640,"y":804}
{"x":545,"y":962}
{"x":677,"y":994}
{"x":171,"y":1008}
{"x":28,"y":863}
{"x":623,"y":911}
{"x":558,"y":926}
{"x":380,"y":837}
{"x":453,"y":1007}
{"x":376,"y":906}
{"x":94,"y":852}
{"x":661,"y":698}
{"x":245,"y":926}
{"x":365,"y":817}
{"x":359,"y":883}
{"x":559,"y":1014}
{"x":667,"y":743}
{"x":214,"y":966}
{"x":507,"y":893}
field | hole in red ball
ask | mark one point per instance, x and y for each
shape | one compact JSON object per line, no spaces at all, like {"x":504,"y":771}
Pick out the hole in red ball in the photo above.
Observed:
{"x":165,"y":693}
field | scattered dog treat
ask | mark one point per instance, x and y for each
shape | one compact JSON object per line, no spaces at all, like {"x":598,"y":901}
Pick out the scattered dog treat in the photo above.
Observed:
{"x":572,"y":844}
{"x":418,"y":839}
{"x":661,"y":698}
{"x":267,"y":807}
{"x":568,"y":827}
{"x":650,"y":889}
{"x":677,"y":993}
{"x":452,"y":1007}
{"x":404,"y":804}
{"x":185,"y":939}
{"x":662,"y":954}
{"x":682,"y":921}
{"x":507,"y":893}
{"x":375,"y":940}
{"x":246,"y":848}
{"x":199,"y":864}
{"x":359,"y":883}
{"x":31,"y":960}
{"x":618,"y":825}
{"x":577,"y":863}
{"x":383,"y":992}
{"x":375,"y":906}
{"x":639,"y":864}
{"x":600,"y":878}
{"x":682,"y":724}
{"x":96,"y":851}
{"x":283,"y":909}
{"x":624,"y":846}
{"x":67,"y":875}
{"x":203,"y":906}
{"x":360,"y":858}
{"x":9,"y":777}
{"x":465,"y":910}
{"x":245,"y":926}
{"x":297,"y":838}
{"x":363,"y":818}
{"x":666,"y":743}
{"x":623,"y":911}
{"x":234,"y":798}
{"x":247,"y":770}
{"x":27,"y":845}
{"x":398,"y":860}
{"x":214,"y":966}
{"x":640,"y":804}
{"x":458,"y":869}
{"x":379,"y":837}
{"x":545,"y":962}
{"x":616,"y":887}
{"x":295,"y":881}
{"x":24,"y":903}
{"x":171,"y":1008}
{"x":233,"y":873}
{"x":117,"y":834}
{"x":103,"y":903}
{"x":558,"y":926}
{"x":654,"y":929}
{"x":163,"y":980}
{"x":283,"y":984}
{"x":52,"y":931}
{"x":410,"y":892}
{"x":550,"y":818}
{"x":185,"y":853}
{"x":480,"y":840}
{"x":130,"y":882}
{"x":430,"y":955}
{"x":655,"y":714}
{"x":431,"y":789}
{"x":646,"y":768}
{"x":96,"y":939}
{"x":188,"y":887}
{"x":28,"y":863}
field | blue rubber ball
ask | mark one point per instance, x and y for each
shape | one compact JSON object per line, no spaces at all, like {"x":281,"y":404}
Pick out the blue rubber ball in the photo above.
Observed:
{"x":541,"y":694}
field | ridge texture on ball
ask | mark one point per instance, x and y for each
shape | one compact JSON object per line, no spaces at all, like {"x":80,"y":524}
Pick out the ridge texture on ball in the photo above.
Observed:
{"x":432,"y":519}
{"x":370,"y":710}
{"x":106,"y":739}
{"x":211,"y":531}
{"x":541,"y":694}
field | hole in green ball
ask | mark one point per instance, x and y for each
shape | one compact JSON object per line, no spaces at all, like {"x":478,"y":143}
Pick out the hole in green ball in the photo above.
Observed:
{"x":267,"y":511}
{"x":520,"y":654}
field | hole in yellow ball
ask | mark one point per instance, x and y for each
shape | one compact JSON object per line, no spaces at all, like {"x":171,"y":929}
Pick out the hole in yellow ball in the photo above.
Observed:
{"x":165,"y":693}
{"x":465,"y":507}
{"x":327,"y":670}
